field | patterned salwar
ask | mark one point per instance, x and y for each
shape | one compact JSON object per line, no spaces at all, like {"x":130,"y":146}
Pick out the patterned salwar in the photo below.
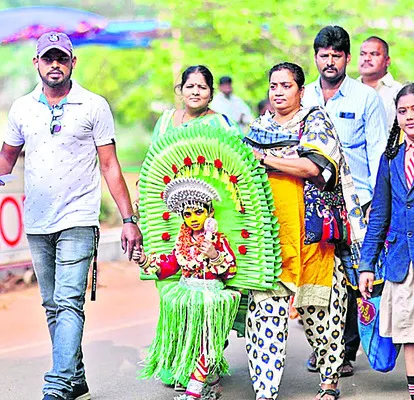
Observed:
{"x":267,"y":333}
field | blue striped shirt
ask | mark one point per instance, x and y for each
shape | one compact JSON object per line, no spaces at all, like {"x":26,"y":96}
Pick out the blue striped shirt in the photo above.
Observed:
{"x":360,"y":119}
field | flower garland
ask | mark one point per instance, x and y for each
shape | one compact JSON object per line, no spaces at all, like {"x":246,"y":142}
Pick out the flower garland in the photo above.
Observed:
{"x":186,"y":242}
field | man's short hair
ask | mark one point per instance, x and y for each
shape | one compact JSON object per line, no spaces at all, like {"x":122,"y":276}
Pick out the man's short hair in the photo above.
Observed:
{"x":382,"y":41}
{"x":225,"y":79}
{"x":333,"y":36}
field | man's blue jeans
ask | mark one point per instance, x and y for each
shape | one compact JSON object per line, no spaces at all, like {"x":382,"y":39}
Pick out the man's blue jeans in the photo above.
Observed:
{"x":61,"y":262}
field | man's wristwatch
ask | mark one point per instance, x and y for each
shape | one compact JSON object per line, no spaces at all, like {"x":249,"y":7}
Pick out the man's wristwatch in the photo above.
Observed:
{"x":133,"y":219}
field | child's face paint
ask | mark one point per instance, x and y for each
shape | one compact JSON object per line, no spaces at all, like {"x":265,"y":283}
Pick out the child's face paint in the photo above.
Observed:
{"x":194,"y":218}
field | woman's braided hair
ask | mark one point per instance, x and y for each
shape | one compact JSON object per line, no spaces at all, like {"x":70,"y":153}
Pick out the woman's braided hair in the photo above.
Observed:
{"x":393,"y":144}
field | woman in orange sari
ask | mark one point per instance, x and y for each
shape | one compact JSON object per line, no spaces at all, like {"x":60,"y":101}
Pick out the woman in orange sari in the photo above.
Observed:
{"x":317,"y":209}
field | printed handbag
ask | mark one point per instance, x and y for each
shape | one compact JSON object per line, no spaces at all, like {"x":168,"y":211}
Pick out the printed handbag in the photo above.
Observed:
{"x":326,"y":218}
{"x":381,"y":351}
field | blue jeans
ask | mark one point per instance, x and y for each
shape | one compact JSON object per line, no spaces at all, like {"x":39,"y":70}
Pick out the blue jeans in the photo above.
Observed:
{"x":61,"y":262}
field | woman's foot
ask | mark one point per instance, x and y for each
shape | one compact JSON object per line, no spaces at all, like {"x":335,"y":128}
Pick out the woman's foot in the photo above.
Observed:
{"x":311,"y":363}
{"x":327,"y":392}
{"x":347,"y":369}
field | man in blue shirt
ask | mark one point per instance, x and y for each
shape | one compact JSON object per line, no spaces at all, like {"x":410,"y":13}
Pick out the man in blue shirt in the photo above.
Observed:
{"x":360,"y":119}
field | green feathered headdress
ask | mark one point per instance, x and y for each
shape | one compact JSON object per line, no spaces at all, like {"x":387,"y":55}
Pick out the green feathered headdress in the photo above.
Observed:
{"x":244,"y":215}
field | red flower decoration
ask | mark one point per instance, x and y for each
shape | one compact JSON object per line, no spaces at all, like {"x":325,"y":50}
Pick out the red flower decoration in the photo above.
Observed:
{"x":218,"y":163}
{"x":166,"y":216}
{"x":201,"y":160}
{"x":174,"y":168}
{"x":245,"y":234}
{"x":162,"y":195}
{"x":233,"y":179}
{"x":167,"y":179}
{"x":242,"y":210}
{"x":188,"y":162}
{"x":166,"y":236}
{"x":242,"y":249}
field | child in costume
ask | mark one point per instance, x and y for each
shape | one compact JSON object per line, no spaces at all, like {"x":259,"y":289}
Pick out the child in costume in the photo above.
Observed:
{"x":196,"y":313}
{"x":391,"y":220}
{"x":200,"y":319}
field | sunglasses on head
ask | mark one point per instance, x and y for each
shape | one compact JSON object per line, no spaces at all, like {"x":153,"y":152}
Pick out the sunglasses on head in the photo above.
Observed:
{"x":55,"y":124}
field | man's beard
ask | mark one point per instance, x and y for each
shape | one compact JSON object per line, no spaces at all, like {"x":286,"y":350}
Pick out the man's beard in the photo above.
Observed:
{"x":56,"y":84}
{"x":334,"y":79}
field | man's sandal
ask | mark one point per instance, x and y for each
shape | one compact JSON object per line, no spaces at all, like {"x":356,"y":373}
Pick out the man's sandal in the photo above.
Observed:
{"x":329,"y":392}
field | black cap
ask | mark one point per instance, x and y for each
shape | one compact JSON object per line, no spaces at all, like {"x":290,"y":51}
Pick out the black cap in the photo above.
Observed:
{"x":225,"y":79}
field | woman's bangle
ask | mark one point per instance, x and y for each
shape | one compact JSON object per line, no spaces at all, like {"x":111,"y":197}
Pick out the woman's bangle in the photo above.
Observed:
{"x":262,"y":160}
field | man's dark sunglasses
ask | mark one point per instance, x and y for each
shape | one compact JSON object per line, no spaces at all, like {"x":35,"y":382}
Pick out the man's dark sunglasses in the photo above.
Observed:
{"x":55,"y":124}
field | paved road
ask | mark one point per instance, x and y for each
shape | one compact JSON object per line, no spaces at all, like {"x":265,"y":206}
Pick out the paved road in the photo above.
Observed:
{"x":119,"y":329}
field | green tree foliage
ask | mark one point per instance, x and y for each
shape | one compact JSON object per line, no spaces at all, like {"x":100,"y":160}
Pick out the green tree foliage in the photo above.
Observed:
{"x":241,"y":38}
{"x":107,"y":8}
{"x":244,"y":38}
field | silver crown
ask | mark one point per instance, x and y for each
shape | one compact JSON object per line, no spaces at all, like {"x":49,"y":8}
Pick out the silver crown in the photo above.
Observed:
{"x":183,"y":193}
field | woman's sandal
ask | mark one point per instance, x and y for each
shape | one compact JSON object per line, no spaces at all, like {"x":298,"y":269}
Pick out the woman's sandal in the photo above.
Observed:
{"x":329,"y":392}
